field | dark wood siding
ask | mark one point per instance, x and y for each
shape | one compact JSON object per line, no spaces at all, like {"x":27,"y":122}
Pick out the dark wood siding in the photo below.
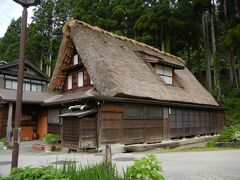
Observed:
{"x":111,"y":123}
{"x":146,"y":123}
{"x":71,"y":131}
{"x":86,"y":81}
{"x":190,"y":122}
{"x":88,"y":132}
{"x":54,"y":129}
{"x":80,"y":132}
{"x":126,"y":127}
{"x":3,"y":120}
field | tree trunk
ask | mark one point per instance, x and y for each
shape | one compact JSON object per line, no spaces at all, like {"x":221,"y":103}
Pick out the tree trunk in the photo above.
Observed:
{"x":189,"y":58}
{"x":214,"y":57}
{"x":237,"y":14}
{"x":232,"y":72}
{"x":238,"y":69}
{"x":235,"y":74}
{"x":207,"y":52}
{"x":162,"y":40}
{"x":225,"y":10}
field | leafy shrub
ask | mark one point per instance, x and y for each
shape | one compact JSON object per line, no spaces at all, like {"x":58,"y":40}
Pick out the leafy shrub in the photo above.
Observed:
{"x":232,"y":113}
{"x":147,"y":167}
{"x":4,"y":141}
{"x":51,"y":138}
{"x":100,"y":171}
{"x":41,"y":173}
{"x":211,"y":143}
{"x":230,"y":134}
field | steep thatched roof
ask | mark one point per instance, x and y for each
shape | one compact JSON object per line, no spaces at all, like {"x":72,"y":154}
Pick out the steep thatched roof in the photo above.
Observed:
{"x":116,"y":68}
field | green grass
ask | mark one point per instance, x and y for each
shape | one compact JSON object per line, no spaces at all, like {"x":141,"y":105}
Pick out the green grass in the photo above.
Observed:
{"x":40,"y":173}
{"x":91,"y":172}
{"x":68,"y":172}
{"x":101,"y":171}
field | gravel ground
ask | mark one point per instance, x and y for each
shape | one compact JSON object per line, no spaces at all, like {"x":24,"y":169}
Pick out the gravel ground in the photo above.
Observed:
{"x":208,"y":165}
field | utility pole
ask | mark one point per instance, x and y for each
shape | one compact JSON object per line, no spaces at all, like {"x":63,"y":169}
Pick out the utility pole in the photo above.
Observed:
{"x":18,"y":111}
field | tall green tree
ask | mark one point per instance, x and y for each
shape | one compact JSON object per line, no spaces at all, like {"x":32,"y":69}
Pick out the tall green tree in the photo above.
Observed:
{"x":9,"y":44}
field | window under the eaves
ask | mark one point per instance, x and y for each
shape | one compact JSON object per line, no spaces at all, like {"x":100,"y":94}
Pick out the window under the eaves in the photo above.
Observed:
{"x":165,"y":72}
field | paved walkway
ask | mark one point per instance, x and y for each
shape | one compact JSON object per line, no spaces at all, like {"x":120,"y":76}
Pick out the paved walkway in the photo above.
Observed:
{"x":210,"y":165}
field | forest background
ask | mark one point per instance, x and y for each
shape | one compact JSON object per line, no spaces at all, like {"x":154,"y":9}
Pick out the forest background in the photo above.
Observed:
{"x":205,"y":33}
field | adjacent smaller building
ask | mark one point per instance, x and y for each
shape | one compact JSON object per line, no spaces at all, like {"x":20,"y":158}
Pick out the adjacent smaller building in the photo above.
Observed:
{"x":34,"y":94}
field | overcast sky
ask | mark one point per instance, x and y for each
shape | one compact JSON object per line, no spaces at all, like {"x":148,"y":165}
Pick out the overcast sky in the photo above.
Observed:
{"x":10,"y":10}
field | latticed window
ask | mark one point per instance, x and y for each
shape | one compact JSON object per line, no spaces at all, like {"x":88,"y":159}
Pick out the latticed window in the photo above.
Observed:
{"x":142,"y":111}
{"x":189,"y":118}
{"x":53,"y":116}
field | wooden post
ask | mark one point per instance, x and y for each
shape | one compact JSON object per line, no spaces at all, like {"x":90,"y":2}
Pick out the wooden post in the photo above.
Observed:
{"x":9,"y":123}
{"x":98,"y":126}
{"x":108,"y":156}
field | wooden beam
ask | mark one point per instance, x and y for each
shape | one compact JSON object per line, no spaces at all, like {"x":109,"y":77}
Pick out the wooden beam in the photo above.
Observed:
{"x":9,"y":123}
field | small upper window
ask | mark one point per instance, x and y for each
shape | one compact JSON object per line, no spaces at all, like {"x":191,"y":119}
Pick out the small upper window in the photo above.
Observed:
{"x":27,"y":86}
{"x":165,"y":72}
{"x":34,"y":87}
{"x":10,"y":84}
{"x":80,"y":79}
{"x":69,"y":81}
{"x":75,"y":59}
{"x":39,"y":88}
{"x":91,"y":82}
{"x":14,"y":84}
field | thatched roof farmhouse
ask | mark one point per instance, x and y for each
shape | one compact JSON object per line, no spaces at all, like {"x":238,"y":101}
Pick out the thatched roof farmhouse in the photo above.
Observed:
{"x":119,"y":67}
{"x":108,"y":89}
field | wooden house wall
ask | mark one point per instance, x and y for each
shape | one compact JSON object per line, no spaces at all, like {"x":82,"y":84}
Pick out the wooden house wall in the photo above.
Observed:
{"x":79,"y":132}
{"x":190,"y":122}
{"x":54,"y":129}
{"x":111,"y":124}
{"x":54,"y":122}
{"x":115,"y":128}
{"x":88,"y":132}
{"x":3,"y":119}
{"x":42,"y":127}
{"x":86,"y":82}
{"x":71,"y":132}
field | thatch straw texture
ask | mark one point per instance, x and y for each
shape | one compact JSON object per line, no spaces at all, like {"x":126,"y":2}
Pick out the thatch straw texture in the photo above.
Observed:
{"x":117,"y":69}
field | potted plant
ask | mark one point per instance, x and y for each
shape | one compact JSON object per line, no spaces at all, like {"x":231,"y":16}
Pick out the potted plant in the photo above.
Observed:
{"x":51,"y":140}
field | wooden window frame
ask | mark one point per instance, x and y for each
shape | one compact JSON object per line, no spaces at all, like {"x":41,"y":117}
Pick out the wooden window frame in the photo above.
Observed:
{"x":145,"y":110}
{"x":69,"y":85}
{"x":75,"y":59}
{"x":78,"y":82}
{"x":162,"y":75}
